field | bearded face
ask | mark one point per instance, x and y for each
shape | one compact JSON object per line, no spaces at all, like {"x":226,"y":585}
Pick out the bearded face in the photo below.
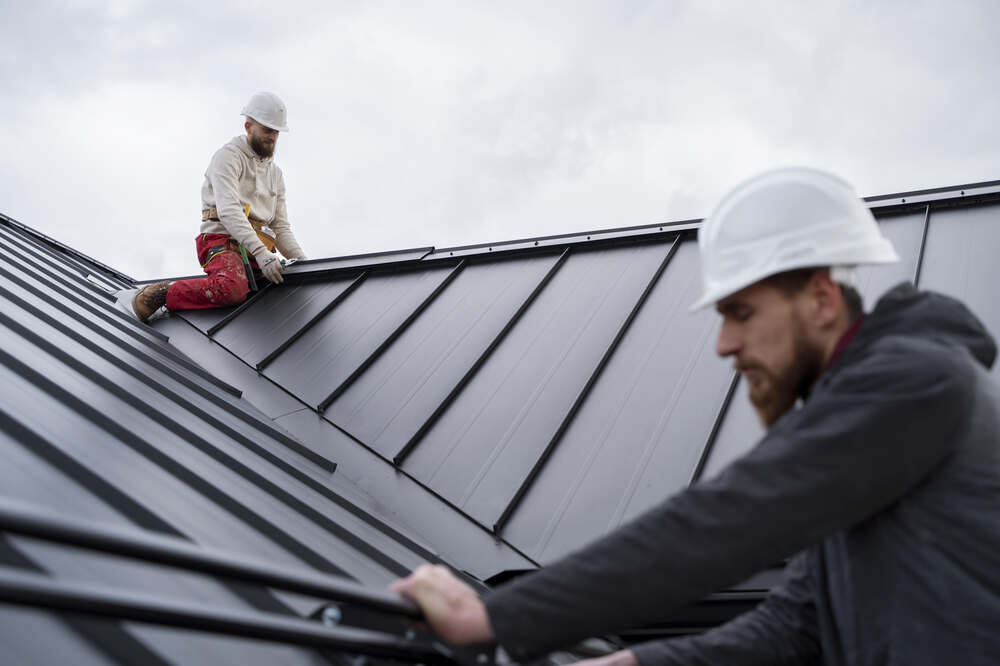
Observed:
{"x":766,"y":333}
{"x":261,"y":139}
{"x":776,"y":383}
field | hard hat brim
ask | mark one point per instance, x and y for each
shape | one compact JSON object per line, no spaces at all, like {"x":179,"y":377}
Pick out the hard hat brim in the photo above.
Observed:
{"x":281,"y":128}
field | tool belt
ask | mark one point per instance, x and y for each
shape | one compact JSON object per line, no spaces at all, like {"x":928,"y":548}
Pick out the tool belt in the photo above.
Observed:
{"x":264,"y":232}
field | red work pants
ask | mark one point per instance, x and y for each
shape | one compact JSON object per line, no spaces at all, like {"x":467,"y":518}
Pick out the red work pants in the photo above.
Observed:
{"x":226,"y":283}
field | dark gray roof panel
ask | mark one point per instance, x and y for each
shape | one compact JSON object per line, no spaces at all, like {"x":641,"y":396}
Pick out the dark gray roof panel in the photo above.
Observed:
{"x":326,"y":355}
{"x":366,"y":478}
{"x":961,"y":256}
{"x":381,"y":489}
{"x":494,"y":405}
{"x":277,"y":314}
{"x":640,"y":433}
{"x":156,"y":461}
{"x":390,"y":402}
{"x":483,"y":446}
{"x":103,"y":421}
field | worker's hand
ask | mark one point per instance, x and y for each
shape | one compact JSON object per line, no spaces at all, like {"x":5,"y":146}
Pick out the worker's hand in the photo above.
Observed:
{"x":270,"y":265}
{"x":452,"y":609}
{"x":620,"y":658}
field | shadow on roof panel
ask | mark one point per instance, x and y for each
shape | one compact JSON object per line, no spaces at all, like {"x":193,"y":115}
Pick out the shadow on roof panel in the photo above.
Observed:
{"x":963,"y":245}
{"x":276,"y":316}
{"x":640,"y":433}
{"x":390,"y":402}
{"x":740,"y":428}
{"x":337,"y":345}
{"x":483,"y":447}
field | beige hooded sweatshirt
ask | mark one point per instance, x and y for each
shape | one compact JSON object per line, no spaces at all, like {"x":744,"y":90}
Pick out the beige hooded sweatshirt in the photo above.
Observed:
{"x":236,"y":176}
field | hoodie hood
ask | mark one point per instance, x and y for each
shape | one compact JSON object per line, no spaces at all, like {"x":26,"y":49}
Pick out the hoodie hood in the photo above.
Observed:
{"x":905,"y":311}
{"x":241,"y":143}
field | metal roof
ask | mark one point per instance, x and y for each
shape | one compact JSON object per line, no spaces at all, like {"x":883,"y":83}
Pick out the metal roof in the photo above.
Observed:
{"x":105,"y":424}
{"x":492,"y":406}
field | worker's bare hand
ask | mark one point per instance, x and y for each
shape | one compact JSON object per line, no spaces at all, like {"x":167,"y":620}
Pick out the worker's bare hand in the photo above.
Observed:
{"x":271,"y":266}
{"x":452,"y":609}
{"x":620,"y":658}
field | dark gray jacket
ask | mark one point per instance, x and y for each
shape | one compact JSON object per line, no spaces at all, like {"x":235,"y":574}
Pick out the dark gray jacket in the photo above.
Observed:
{"x":887,"y":485}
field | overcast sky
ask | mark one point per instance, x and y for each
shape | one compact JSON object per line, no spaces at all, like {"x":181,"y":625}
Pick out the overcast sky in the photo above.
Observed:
{"x":446,"y":123}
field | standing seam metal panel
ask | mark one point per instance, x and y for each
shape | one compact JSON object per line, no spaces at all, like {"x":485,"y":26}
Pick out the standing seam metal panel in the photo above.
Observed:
{"x":501,"y":421}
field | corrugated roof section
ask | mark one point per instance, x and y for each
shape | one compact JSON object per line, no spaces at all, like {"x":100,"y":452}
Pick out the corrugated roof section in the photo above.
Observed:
{"x":104,"y":422}
{"x":547,"y":389}
{"x":495,"y":405}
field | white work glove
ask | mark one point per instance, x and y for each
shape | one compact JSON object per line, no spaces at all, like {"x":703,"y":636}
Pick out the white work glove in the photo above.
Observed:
{"x":270,"y":266}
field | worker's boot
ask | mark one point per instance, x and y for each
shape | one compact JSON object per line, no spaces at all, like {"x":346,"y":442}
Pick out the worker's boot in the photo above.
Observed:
{"x":149,"y":299}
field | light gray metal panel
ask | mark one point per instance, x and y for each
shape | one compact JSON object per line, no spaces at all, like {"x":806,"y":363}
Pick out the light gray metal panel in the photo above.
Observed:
{"x":905,"y":232}
{"x":276,"y":316}
{"x":640,"y":433}
{"x":31,"y":637}
{"x":963,"y":246}
{"x":482,"y":448}
{"x":336,"y":346}
{"x":741,"y":428}
{"x":393,"y":398}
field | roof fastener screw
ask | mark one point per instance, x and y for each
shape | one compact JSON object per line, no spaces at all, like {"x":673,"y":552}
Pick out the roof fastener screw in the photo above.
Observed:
{"x":963,"y":192}
{"x":588,"y":237}
{"x":331,"y":615}
{"x":904,"y":200}
{"x":491,"y":249}
{"x":536,"y":242}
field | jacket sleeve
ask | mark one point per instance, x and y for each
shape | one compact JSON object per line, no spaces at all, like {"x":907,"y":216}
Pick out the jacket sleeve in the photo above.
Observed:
{"x":867,"y":435}
{"x":782,"y":630}
{"x":284,"y":238}
{"x":224,"y":175}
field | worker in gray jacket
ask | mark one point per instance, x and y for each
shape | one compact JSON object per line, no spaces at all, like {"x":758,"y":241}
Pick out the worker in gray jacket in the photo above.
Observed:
{"x":244,"y":219}
{"x":879,"y":473}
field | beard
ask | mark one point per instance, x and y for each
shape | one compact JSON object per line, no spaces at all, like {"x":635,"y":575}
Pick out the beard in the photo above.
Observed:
{"x":261,"y":146}
{"x":774,"y":391}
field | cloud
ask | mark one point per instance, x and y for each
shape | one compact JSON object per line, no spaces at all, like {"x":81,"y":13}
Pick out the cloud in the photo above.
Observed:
{"x":446,"y":123}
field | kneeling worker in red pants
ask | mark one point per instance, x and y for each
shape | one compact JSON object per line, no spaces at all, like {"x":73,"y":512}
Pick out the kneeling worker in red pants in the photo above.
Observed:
{"x":243,"y":219}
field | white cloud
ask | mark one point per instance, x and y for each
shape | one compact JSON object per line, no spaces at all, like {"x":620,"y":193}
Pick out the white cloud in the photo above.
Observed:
{"x":446,"y":123}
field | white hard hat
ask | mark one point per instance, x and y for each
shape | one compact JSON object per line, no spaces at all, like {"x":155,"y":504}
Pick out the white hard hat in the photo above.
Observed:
{"x":267,"y":109}
{"x":782,"y":220}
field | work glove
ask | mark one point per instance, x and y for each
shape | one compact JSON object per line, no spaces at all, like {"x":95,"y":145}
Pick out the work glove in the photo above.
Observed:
{"x":270,"y":266}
